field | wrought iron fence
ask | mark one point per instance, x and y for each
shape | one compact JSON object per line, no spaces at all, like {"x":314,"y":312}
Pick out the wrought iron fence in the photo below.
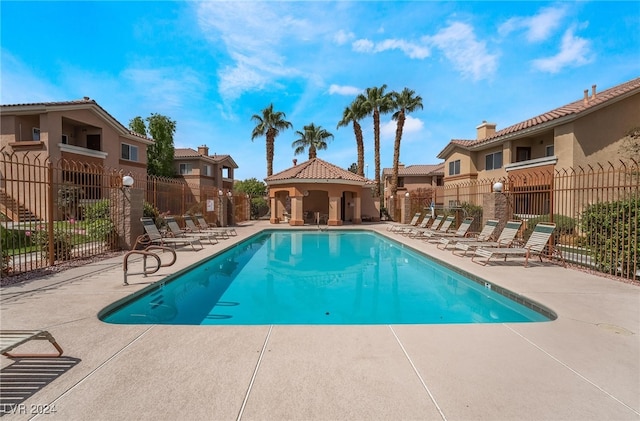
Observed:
{"x":53,"y":212}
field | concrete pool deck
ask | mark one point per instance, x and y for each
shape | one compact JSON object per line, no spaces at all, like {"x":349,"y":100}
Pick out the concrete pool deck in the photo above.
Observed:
{"x":583,"y":366}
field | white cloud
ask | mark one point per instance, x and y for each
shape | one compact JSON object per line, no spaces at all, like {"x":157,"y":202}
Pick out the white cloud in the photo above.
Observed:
{"x":20,"y":84}
{"x":538,"y":27}
{"x":344,"y":90}
{"x":410,"y":49}
{"x":574,"y":52}
{"x":166,"y":87}
{"x":342,"y":37}
{"x":469,"y":56}
{"x":411,"y":125}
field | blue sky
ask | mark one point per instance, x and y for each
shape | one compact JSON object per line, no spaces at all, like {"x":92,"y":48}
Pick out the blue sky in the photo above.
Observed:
{"x":211,"y":65}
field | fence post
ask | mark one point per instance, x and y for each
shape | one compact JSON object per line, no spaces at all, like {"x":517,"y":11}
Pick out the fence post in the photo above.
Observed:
{"x":50,"y":222}
{"x":495,"y":207}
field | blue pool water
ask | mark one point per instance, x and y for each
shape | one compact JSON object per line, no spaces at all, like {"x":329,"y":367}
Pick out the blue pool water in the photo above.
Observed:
{"x":314,"y":277}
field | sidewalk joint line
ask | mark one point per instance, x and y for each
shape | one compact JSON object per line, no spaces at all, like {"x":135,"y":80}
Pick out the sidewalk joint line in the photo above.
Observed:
{"x":255,"y":373}
{"x":415,"y":369}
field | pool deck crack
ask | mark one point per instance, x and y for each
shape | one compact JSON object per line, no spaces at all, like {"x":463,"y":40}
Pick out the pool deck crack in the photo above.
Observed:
{"x":255,"y":373}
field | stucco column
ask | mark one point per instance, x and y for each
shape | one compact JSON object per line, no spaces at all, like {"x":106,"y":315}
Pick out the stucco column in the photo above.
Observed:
{"x":274,"y":210}
{"x":129,"y":206}
{"x":296,"y":211}
{"x":334,"y":211}
{"x":405,"y":207}
{"x":357,"y":211}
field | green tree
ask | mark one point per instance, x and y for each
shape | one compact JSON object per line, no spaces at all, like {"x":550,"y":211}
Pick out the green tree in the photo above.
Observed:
{"x":160,"y":155}
{"x":353,"y":168}
{"x":252,"y":186}
{"x":269,"y":124}
{"x":353,"y":114}
{"x":375,"y":102}
{"x":404,"y":102}
{"x":313,"y":138}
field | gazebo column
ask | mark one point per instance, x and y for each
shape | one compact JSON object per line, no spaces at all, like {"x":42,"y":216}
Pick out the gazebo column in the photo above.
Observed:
{"x":296,"y":211}
{"x":334,"y":211}
{"x":357,"y":211}
{"x":274,"y":210}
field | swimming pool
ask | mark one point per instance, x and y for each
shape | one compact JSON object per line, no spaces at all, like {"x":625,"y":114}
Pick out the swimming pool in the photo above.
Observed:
{"x":315,"y":277}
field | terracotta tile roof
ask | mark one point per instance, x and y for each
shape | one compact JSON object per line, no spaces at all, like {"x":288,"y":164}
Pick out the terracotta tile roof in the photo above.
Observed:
{"x":572,"y":109}
{"x":434,"y":169}
{"x":186,"y":153}
{"x":316,"y":169}
{"x":84,"y":101}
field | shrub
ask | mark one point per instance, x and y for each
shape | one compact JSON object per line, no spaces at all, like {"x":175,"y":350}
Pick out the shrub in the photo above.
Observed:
{"x":611,"y":230}
{"x":98,"y":222}
{"x":259,"y":207}
{"x":5,"y":265}
{"x":62,"y":242}
{"x":565,"y":225}
{"x":150,"y":211}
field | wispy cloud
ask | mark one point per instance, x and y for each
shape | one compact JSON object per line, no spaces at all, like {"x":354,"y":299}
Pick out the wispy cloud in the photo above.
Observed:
{"x":411,"y":125}
{"x":166,"y":88}
{"x":574,"y":51}
{"x":410,"y":49}
{"x":538,"y":27}
{"x":461,"y":47}
{"x":344,"y":90}
{"x":342,"y":37}
{"x":20,"y":83}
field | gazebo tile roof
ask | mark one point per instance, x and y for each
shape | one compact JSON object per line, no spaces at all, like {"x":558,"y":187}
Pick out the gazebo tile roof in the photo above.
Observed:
{"x":315,"y":169}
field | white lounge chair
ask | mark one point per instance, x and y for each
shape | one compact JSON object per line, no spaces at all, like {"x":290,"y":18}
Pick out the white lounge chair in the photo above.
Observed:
{"x":461,"y":232}
{"x":203,"y":224}
{"x":506,"y":238}
{"x":192,"y":227}
{"x":400,"y":227}
{"x":534,"y":246}
{"x":485,"y":235}
{"x":427,"y":221}
{"x":10,"y":339}
{"x":425,"y":234}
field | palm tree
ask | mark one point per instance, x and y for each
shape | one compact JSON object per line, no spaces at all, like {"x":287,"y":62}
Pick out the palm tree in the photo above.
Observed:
{"x":404,"y":102}
{"x":375,"y":101}
{"x":269,"y":124}
{"x":314,"y":138}
{"x":353,"y":114}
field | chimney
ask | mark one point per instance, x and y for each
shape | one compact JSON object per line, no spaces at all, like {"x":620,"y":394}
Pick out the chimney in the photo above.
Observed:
{"x":295,"y":162}
{"x":203,"y":150}
{"x":86,"y":98}
{"x":593,"y":91}
{"x":586,"y":96}
{"x":485,"y":130}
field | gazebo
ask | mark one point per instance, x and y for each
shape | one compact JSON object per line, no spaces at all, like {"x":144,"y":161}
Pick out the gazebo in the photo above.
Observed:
{"x":318,"y":192}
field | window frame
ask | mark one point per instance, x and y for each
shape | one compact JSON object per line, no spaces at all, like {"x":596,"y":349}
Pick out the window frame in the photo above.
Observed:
{"x":35,"y":134}
{"x":454,"y":167}
{"x":493,"y":156}
{"x":130,"y":148}
{"x":546,"y":150}
{"x":188,"y":168}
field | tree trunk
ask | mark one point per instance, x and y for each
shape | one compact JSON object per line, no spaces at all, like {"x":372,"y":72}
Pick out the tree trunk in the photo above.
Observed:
{"x":357,"y":130}
{"x":396,"y":154}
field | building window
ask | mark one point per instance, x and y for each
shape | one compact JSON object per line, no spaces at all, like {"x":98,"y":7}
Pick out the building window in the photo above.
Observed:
{"x":185,"y":169}
{"x":35,"y":133}
{"x":129,"y":152}
{"x":454,"y":167}
{"x":207,"y":171}
{"x":493,"y":161}
{"x":549,"y":150}
{"x":400,"y":181}
{"x":65,"y":139}
{"x":523,"y":154}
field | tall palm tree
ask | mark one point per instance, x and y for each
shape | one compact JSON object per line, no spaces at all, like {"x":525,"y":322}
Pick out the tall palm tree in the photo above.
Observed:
{"x":353,"y":114}
{"x":313,"y":137}
{"x":404,"y":102}
{"x":375,"y":102}
{"x":269,"y":124}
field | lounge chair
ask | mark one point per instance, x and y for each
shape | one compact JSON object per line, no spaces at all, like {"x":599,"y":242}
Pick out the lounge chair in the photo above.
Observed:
{"x":204,"y":224}
{"x":178,"y":232}
{"x":427,"y":222}
{"x":192,"y":227}
{"x":416,"y":231}
{"x":10,"y":339}
{"x":425,"y":234}
{"x":506,"y":238}
{"x":534,"y":246}
{"x":156,"y":238}
{"x":400,"y":227}
{"x":485,"y":235}
{"x":461,"y":232}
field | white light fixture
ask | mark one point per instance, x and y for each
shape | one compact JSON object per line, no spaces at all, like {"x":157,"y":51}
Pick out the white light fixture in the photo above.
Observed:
{"x":229,"y":193}
{"x":127,"y":181}
{"x":220,"y":192}
{"x":406,"y":194}
{"x":497,"y":187}
{"x":306,"y":193}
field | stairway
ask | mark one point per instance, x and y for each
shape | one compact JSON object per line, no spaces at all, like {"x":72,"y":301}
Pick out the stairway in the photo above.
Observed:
{"x":14,"y":211}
